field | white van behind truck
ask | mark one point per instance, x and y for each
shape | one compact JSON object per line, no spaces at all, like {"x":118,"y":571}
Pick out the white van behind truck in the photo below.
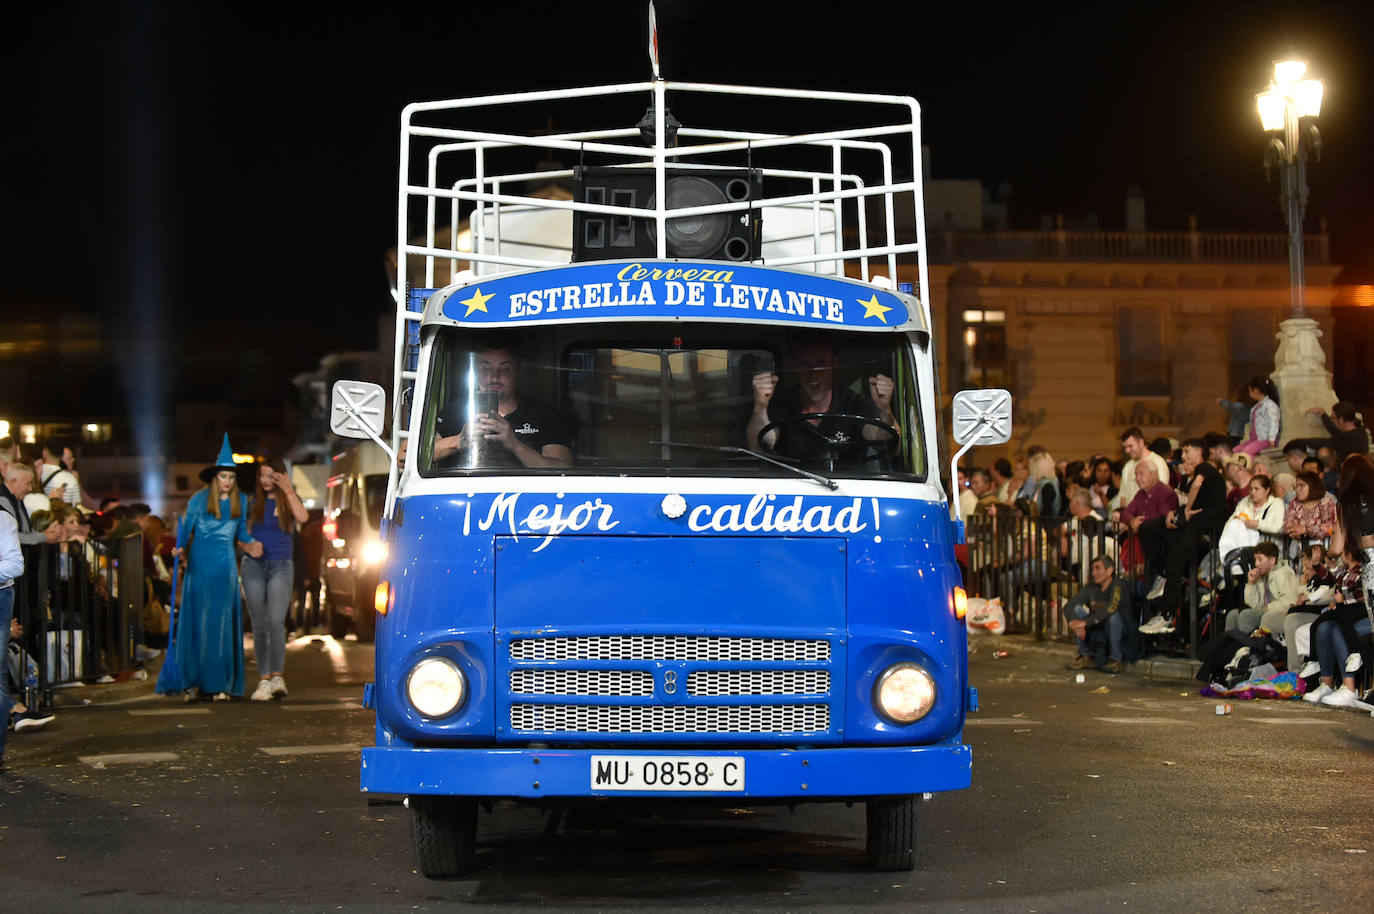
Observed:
{"x":355,"y":497}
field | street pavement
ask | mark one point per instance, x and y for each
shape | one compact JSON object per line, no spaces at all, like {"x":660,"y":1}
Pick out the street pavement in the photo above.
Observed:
{"x":1122,"y":792}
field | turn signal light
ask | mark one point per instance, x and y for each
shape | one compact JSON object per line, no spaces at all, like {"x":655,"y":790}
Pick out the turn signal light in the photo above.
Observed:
{"x":960,"y":603}
{"x":381,"y":600}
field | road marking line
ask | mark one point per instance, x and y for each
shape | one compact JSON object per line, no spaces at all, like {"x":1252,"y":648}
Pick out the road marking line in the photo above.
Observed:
{"x":1139,"y":720}
{"x":324,"y":706}
{"x":998,"y":721}
{"x":309,"y":750}
{"x":1295,"y":720}
{"x":125,"y":758}
{"x":167,"y":712}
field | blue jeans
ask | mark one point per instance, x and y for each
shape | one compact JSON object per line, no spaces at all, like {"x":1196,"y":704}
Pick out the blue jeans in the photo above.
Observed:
{"x":267,"y":590}
{"x":1115,"y":628}
{"x":6,"y":613}
{"x":1332,"y":649}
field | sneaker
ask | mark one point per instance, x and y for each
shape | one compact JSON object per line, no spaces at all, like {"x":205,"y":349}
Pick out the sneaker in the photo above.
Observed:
{"x":192,"y":694}
{"x":1081,"y":662}
{"x":1114,"y":666}
{"x":1353,"y":663}
{"x":1341,"y":698}
{"x":1148,"y":628}
{"x":1310,"y":669}
{"x":1318,"y":693}
{"x":263,"y":692}
{"x":221,"y":696}
{"x":30,"y":720}
{"x":143,"y":652}
{"x":278,"y":687}
{"x":1156,"y":589}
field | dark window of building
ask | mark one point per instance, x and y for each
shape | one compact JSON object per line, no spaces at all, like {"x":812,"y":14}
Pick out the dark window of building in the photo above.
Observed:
{"x":985,"y":348}
{"x":1252,"y":344}
{"x":1143,"y":366}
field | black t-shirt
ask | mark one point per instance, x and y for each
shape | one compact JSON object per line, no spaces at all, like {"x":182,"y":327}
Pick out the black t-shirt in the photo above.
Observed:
{"x":846,"y":434}
{"x":1211,"y":498}
{"x":534,"y":424}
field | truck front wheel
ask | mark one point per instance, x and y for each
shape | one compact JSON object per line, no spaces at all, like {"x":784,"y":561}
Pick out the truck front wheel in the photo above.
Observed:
{"x":443,"y":831}
{"x":894,"y":832}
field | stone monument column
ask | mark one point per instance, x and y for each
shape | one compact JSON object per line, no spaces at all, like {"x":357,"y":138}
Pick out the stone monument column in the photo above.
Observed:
{"x":1302,"y":379}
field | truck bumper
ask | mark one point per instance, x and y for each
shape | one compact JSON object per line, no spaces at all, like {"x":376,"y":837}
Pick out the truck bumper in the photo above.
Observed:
{"x":791,"y":773}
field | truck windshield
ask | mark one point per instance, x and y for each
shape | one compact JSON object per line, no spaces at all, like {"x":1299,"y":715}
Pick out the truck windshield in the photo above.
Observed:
{"x":671,"y":399}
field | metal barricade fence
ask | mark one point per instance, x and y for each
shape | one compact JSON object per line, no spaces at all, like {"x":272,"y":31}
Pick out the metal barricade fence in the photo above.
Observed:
{"x":1035,"y":565}
{"x":79,"y":609}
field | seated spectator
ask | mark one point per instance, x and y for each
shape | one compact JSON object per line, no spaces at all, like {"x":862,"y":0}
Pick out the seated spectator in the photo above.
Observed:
{"x":968,"y":501}
{"x":1270,"y":589}
{"x":1103,"y":485}
{"x":1152,"y":502}
{"x":1264,"y":417}
{"x":1335,"y":635}
{"x":1295,"y":453}
{"x":1101,"y":620}
{"x":1348,"y":434}
{"x":1312,"y":513}
{"x":1084,"y":534}
{"x":1261,"y":513}
{"x":1331,"y":468}
{"x":980,"y":484}
{"x":1044,"y":485}
{"x":1317,"y":582}
{"x":1285,"y":488}
{"x":1133,"y":446}
{"x":1236,"y":469}
{"x":1001,"y":479}
{"x":1180,"y":539}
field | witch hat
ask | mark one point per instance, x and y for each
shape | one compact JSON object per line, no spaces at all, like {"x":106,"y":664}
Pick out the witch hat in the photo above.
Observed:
{"x":225,"y":461}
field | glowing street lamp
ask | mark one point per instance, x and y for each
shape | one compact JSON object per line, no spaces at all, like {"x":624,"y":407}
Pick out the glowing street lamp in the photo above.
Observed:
{"x":1286,"y":109}
{"x":1287,"y":100}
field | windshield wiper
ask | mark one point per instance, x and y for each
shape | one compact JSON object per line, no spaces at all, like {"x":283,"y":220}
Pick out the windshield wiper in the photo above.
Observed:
{"x":728,"y":449}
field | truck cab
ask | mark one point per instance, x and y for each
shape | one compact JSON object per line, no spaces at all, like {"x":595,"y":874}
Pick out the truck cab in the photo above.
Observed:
{"x":665,"y":519}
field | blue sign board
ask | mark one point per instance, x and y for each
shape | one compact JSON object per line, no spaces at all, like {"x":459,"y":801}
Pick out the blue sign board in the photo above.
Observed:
{"x":685,"y":290}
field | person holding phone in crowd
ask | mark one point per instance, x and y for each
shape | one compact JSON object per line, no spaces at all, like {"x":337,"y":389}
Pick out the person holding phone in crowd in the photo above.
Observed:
{"x":268,"y":578}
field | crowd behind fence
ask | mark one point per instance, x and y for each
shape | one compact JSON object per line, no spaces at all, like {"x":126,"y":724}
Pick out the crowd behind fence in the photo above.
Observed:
{"x":1035,"y":565}
{"x":79,"y":606}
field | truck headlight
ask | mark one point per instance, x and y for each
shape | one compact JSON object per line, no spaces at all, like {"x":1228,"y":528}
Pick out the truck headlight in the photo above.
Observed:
{"x":904,"y":693}
{"x":435,"y":687}
{"x":374,"y":552}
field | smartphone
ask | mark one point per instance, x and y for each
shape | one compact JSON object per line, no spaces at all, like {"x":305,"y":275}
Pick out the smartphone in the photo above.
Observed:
{"x":483,"y":403}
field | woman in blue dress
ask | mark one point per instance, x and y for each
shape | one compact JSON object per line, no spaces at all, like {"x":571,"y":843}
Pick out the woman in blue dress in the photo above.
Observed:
{"x":207,"y":653}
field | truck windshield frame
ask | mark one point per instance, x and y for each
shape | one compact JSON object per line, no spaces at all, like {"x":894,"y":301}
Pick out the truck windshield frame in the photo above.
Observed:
{"x":623,"y":396}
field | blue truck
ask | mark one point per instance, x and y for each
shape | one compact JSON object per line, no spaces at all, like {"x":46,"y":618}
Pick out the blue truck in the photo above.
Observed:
{"x":665,"y":520}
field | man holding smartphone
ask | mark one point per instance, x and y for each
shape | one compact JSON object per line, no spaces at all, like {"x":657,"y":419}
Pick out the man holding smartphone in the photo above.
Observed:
{"x":506,"y":429}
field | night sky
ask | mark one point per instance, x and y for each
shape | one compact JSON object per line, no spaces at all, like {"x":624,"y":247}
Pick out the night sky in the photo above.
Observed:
{"x":167,"y":165}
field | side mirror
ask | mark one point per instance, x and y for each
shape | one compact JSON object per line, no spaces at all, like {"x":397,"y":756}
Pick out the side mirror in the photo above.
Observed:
{"x":981,"y":417}
{"x":357,"y":409}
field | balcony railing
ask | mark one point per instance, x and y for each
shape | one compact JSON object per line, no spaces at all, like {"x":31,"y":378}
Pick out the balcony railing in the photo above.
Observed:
{"x":1101,"y":246}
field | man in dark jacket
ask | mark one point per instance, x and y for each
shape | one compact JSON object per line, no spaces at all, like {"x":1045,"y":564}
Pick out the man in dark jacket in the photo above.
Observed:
{"x":1100,"y":617}
{"x":1348,"y":436}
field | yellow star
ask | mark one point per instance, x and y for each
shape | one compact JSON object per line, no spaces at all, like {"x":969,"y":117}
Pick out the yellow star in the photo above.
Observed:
{"x":873,"y":309}
{"x":478,"y":302}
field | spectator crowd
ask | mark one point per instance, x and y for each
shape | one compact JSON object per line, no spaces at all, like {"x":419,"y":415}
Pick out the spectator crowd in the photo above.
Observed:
{"x":1223,"y":546}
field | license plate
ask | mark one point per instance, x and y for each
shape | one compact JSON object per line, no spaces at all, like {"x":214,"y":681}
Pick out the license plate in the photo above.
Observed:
{"x":712,"y":773}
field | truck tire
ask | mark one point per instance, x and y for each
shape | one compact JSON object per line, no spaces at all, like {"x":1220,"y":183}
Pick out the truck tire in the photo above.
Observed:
{"x":443,"y":831}
{"x":894,"y":832}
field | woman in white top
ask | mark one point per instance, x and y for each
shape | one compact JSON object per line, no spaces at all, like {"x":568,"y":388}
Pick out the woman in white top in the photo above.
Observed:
{"x":1258,"y":513}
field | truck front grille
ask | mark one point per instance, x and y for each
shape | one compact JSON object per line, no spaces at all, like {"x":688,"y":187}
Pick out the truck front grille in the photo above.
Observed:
{"x":669,"y":684}
{"x":627,"y":719}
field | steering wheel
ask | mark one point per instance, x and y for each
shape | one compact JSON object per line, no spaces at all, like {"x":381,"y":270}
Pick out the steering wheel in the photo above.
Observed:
{"x":819,"y":447}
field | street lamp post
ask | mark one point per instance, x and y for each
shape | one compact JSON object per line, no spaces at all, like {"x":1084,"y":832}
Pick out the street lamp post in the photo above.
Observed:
{"x":1299,"y":363}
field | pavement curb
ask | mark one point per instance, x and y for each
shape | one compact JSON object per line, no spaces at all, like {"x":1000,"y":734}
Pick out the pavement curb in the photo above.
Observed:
{"x":1155,"y":669}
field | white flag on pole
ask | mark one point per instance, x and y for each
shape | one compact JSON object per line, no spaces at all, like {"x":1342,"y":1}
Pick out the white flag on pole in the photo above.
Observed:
{"x":653,"y":39}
